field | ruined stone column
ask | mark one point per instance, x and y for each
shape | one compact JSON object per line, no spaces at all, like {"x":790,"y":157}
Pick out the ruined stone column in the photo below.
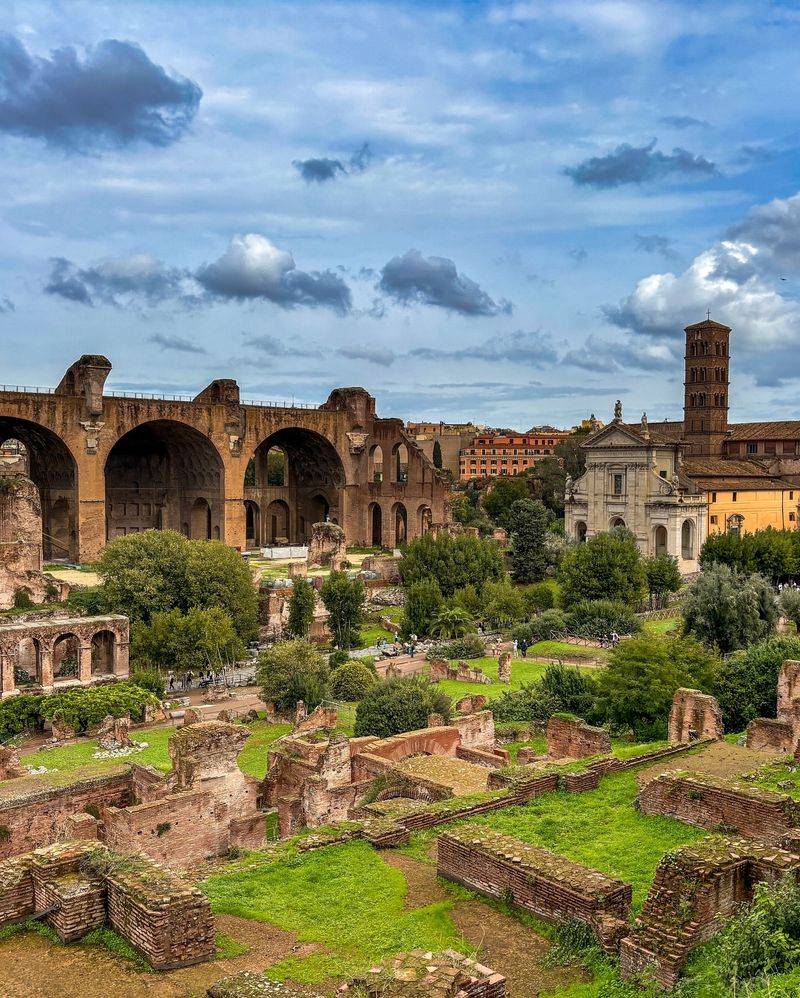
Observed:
{"x":121,"y":662}
{"x":85,"y":663}
{"x":7,"y":669}
{"x":46,"y":666}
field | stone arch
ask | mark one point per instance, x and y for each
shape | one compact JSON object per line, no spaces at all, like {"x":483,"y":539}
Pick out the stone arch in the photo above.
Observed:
{"x":52,"y":468}
{"x":424,"y":519}
{"x":400,"y":463}
{"x":277,"y":522}
{"x":313,"y":486}
{"x":660,"y":539}
{"x":28,"y":664}
{"x":154,"y":476}
{"x":580,"y":531}
{"x":687,"y":540}
{"x":66,"y":657}
{"x":103,"y":653}
{"x":400,"y":521}
{"x":375,"y":524}
{"x":735,"y":523}
{"x":617,"y":521}
{"x":376,"y":464}
{"x":252,"y":517}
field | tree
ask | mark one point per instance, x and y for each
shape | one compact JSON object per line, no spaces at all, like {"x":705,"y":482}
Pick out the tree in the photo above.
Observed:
{"x":422,"y":606}
{"x":569,"y":688}
{"x":454,"y":561}
{"x":501,"y":495}
{"x":528,"y":520}
{"x":195,"y":640}
{"x":636,"y":689}
{"x":437,"y":454}
{"x":301,"y":608}
{"x":504,"y":604}
{"x":663,"y":577}
{"x":609,"y":566}
{"x":547,"y":482}
{"x":452,"y":622}
{"x":352,"y":681}
{"x":397,"y":705}
{"x":773,"y":553}
{"x":160,"y":570}
{"x":344,"y":600}
{"x":602,"y":617}
{"x":790,"y":606}
{"x":292,"y":671}
{"x":746,"y":684}
{"x":568,"y":451}
{"x":728,"y":609}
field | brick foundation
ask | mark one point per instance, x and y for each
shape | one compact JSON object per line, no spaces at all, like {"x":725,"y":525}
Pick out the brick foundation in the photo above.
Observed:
{"x":766,"y":734}
{"x":694,"y":715}
{"x":572,"y":738}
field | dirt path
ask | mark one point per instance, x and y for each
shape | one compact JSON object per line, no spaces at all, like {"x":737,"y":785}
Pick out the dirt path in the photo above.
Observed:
{"x":719,"y":759}
{"x":32,"y":967}
{"x":503,"y":943}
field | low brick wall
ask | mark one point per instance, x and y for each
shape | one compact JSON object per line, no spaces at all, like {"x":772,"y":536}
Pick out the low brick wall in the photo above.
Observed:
{"x":481,"y":757}
{"x":717,"y":804}
{"x":550,"y":886}
{"x":694,"y":890}
{"x":768,"y":734}
{"x":573,"y":738}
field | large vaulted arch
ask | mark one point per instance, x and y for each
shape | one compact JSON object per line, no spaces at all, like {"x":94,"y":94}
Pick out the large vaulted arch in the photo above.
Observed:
{"x":312,"y":486}
{"x":165,"y":475}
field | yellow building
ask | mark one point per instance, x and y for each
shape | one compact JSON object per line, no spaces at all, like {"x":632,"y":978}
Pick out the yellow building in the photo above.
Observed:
{"x":742,"y":497}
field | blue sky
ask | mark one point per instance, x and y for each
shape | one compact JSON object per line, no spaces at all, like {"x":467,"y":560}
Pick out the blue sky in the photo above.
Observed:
{"x":494,"y":211}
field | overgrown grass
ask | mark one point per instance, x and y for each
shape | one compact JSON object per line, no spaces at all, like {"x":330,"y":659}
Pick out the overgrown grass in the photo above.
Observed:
{"x":769,"y":776}
{"x":109,"y":940}
{"x":600,"y":828}
{"x":343,"y":897}
{"x":227,"y":947}
{"x":523,"y":670}
{"x":665,"y":626}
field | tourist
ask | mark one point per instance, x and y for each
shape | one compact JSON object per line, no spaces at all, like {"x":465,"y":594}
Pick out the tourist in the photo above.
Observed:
{"x":514,"y":646}
{"x":171,"y":681}
{"x":523,"y":647}
{"x":189,"y":679}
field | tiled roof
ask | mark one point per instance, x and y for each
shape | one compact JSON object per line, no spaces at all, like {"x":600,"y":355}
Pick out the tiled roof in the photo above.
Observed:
{"x":782,"y":429}
{"x":719,"y":473}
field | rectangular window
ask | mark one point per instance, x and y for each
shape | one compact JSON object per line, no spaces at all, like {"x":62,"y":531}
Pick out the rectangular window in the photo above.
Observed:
{"x":713,"y":496}
{"x":791,"y":518}
{"x":663,"y":473}
{"x":617,"y":485}
{"x":752,"y":448}
{"x":713,"y":520}
{"x":734,"y":496}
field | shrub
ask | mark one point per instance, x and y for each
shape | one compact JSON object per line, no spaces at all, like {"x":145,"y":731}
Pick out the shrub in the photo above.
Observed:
{"x":150,"y":679}
{"x":598,"y":618}
{"x":547,"y":626}
{"x":79,"y":707}
{"x":504,"y":604}
{"x":337,"y":658}
{"x":470,"y":646}
{"x":538,"y":597}
{"x":453,"y":561}
{"x":422,"y":606}
{"x":469,"y":599}
{"x":729,"y":610}
{"x":529,"y":704}
{"x":609,"y":566}
{"x":772,"y":553}
{"x":195,"y":640}
{"x":570,"y":688}
{"x":746,"y":682}
{"x":351,"y":681}
{"x":301,"y":608}
{"x":452,"y":622}
{"x":344,"y":600}
{"x":292,"y":671}
{"x":22,"y":599}
{"x":790,"y":606}
{"x":86,"y":600}
{"x":396,"y":705}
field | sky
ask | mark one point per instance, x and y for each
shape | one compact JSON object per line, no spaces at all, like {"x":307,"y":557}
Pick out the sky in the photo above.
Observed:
{"x":503,"y":212}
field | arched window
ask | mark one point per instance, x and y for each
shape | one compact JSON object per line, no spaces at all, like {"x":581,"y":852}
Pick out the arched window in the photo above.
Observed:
{"x":660,"y":538}
{"x":401,"y":463}
{"x":617,"y":522}
{"x":735,"y":523}
{"x":687,"y":540}
{"x":400,"y":523}
{"x":66,"y":657}
{"x":376,"y":525}
{"x":103,"y":653}
{"x":580,"y":532}
{"x":376,"y":462}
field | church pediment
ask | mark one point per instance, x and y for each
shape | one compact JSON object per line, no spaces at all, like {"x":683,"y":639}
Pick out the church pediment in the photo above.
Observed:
{"x":615,"y":435}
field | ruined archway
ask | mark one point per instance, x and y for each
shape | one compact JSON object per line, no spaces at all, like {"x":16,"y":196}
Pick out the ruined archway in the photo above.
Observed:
{"x":66,"y":657}
{"x":52,"y":468}
{"x":424,"y":519}
{"x":376,"y":525}
{"x":252,"y":531}
{"x":164,"y":474}
{"x":400,"y":516}
{"x":103,"y":646}
{"x":312,"y":489}
{"x":28,"y":665}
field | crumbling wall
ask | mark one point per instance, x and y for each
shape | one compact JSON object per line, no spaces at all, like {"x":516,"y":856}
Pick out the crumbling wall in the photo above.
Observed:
{"x":694,"y":715}
{"x":327,"y":546}
{"x":572,"y":738}
{"x":476,"y":730}
{"x":767,"y":734}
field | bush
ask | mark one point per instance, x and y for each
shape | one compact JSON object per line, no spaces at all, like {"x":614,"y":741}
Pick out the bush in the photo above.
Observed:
{"x":746,"y":683}
{"x":470,"y":600}
{"x":421,"y":608}
{"x":550,"y":625}
{"x":86,"y":600}
{"x":337,"y":658}
{"x":504,"y":604}
{"x":452,"y":622}
{"x":529,"y":704}
{"x":790,"y":606}
{"x":569,"y":688}
{"x":598,"y":618}
{"x":150,"y":679}
{"x":396,"y":705}
{"x":351,"y":681}
{"x":729,"y":610}
{"x":292,"y":671}
{"x":470,"y":646}
{"x":772,"y":553}
{"x":636,"y":689}
{"x":344,"y":600}
{"x":195,"y":640}
{"x":538,"y":597}
{"x":301,"y":608}
{"x":79,"y":707}
{"x":453,"y":561}
{"x":609,"y":566}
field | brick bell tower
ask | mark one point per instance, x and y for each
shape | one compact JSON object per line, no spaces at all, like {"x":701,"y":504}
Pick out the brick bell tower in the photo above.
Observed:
{"x":705,"y":405}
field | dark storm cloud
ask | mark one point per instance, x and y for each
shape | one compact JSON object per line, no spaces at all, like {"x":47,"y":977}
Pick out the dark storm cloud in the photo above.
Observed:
{"x":120,"y":282}
{"x":112,"y":95}
{"x":177,"y":343}
{"x":534,"y":349}
{"x":434,"y":280}
{"x":637,"y":165}
{"x":321,"y":169}
{"x":683,"y":121}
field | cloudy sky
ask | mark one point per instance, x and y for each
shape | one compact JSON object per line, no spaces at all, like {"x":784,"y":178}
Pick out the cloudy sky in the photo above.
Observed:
{"x":498,"y":211}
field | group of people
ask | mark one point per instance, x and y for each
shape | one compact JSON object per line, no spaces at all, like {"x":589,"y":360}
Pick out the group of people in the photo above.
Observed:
{"x":391,"y":648}
{"x":187,"y":681}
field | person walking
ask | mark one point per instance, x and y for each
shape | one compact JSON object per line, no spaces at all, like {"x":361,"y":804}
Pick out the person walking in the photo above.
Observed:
{"x":171,"y":681}
{"x":523,"y":647}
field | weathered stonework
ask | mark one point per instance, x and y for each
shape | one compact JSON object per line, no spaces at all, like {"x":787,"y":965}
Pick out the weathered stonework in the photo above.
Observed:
{"x":440,"y":975}
{"x":328,"y":546}
{"x":504,"y":667}
{"x":114,"y":733}
{"x":694,"y":715}
{"x":572,"y":738}
{"x":768,"y":734}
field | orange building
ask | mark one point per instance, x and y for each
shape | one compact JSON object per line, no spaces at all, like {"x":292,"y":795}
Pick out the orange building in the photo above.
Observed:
{"x":491,"y":455}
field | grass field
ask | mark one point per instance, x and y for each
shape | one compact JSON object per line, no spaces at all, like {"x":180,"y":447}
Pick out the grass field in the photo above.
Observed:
{"x":523,"y":670}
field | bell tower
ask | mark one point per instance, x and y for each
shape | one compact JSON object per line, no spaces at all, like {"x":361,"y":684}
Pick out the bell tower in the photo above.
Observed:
{"x":705,"y":406}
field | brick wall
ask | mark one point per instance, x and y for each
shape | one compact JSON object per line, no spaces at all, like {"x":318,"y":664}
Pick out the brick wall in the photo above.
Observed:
{"x":550,"y":886}
{"x":475,"y":729}
{"x":694,"y":715}
{"x":573,"y":738}
{"x":714,"y":803}
{"x":766,"y":734}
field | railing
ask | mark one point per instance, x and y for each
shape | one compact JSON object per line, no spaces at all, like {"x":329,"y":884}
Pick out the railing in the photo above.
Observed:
{"x":27,"y":389}
{"x":267,"y":404}
{"x":155,"y":397}
{"x":149,"y":396}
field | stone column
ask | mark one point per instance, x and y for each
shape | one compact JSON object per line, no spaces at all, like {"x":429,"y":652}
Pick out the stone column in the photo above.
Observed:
{"x":121,"y":664}
{"x":46,"y":665}
{"x":7,"y":670}
{"x":85,"y":663}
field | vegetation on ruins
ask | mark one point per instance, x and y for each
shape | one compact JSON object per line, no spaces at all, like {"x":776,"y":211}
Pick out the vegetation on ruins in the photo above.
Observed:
{"x":466,"y":509}
{"x":301,"y":608}
{"x":291,"y":671}
{"x":453,"y":561}
{"x":635,"y":691}
{"x":159,"y":570}
{"x":396,"y":705}
{"x":343,"y":598}
{"x":528,"y":522}
{"x":195,"y":640}
{"x":772,"y":553}
{"x":608,"y":566}
{"x":421,"y":608}
{"x":352,"y":681}
{"x":728,"y":609}
{"x":746,"y":682}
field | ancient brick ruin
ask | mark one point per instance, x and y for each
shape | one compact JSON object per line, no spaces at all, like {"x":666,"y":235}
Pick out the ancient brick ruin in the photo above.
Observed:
{"x":440,"y":669}
{"x":571,"y":737}
{"x":438,"y":975}
{"x":273,"y":616}
{"x":694,"y":716}
{"x":550,"y":886}
{"x":79,"y":886}
{"x":780,"y":734}
{"x":328,"y":546}
{"x":695,"y":889}
{"x":59,"y":652}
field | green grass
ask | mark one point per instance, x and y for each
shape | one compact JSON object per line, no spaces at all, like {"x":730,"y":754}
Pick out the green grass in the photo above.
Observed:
{"x":69,"y":758}
{"x":343,"y":897}
{"x":663,"y":626}
{"x":601,"y":829}
{"x":565,"y":650}
{"x":109,"y":940}
{"x":769,"y":776}
{"x":523,"y":670}
{"x":227,"y":947}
